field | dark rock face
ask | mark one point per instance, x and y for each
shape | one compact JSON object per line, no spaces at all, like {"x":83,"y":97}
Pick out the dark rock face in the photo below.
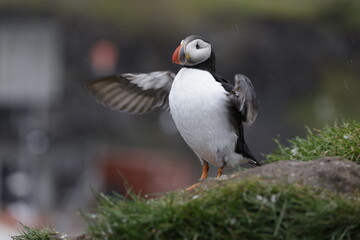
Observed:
{"x":331,"y":173}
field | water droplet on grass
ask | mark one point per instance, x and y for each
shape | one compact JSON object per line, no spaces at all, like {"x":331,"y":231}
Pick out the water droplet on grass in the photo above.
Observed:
{"x":232,"y":221}
{"x":195,"y":197}
{"x":64,"y":236}
{"x":294,"y":151}
{"x":346,"y":137}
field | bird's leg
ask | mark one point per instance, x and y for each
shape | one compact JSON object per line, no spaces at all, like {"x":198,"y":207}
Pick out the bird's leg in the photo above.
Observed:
{"x":204,"y":175}
{"x":221,"y":157}
{"x":205,"y":170}
{"x":220,"y":172}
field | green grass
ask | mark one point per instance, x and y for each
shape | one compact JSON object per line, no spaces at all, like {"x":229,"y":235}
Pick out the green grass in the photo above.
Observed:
{"x":35,"y":234}
{"x":340,"y":140}
{"x":248,"y":209}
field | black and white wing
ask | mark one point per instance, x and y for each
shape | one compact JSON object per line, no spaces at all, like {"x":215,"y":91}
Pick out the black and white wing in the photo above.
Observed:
{"x":244,"y":99}
{"x":133,"y":93}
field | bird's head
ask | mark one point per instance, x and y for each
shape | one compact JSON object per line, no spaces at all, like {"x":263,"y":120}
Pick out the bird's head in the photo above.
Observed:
{"x":192,"y":51}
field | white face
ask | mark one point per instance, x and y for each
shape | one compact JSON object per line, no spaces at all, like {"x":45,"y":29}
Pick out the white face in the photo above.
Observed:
{"x":196,"y":51}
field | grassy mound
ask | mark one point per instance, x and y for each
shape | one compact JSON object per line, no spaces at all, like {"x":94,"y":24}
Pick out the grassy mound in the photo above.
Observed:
{"x":342,"y":140}
{"x":248,"y":209}
{"x":240,"y":208}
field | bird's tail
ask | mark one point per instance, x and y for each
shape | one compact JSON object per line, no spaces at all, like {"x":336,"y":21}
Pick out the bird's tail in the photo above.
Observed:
{"x":250,"y":156}
{"x":254,"y":162}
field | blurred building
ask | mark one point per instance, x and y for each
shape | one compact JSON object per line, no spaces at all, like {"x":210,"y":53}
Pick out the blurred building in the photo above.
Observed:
{"x":52,"y":153}
{"x":31,"y":86}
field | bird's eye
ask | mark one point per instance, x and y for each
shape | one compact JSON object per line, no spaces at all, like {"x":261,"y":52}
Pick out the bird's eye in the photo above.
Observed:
{"x":197,"y":46}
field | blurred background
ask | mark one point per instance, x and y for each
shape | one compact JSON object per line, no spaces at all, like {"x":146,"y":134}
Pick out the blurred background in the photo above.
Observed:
{"x":57,"y":144}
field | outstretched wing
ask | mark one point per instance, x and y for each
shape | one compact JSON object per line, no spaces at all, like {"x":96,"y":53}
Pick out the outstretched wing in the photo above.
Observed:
{"x":244,"y":98}
{"x":133,"y":93}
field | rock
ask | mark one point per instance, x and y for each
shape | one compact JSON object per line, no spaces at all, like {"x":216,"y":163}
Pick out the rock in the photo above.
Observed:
{"x":331,"y":173}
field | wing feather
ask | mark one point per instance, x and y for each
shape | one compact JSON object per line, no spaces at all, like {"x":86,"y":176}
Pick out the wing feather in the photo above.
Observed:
{"x":133,"y":93}
{"x":244,"y":98}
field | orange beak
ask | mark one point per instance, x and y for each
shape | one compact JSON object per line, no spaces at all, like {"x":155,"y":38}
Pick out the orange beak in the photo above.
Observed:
{"x":175,"y":57}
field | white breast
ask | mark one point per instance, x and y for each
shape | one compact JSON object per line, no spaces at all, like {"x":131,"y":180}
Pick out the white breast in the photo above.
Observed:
{"x":198,"y":104}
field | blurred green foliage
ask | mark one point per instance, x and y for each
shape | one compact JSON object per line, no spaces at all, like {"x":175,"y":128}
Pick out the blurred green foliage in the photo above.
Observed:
{"x":137,"y":15}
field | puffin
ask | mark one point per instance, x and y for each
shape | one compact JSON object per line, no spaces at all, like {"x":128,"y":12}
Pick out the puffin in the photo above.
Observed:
{"x":209,"y":112}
